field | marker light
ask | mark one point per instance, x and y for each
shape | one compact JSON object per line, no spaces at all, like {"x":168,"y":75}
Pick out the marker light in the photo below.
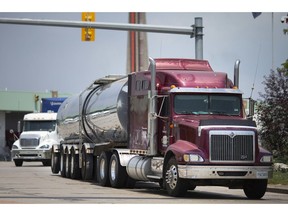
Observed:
{"x":172,"y":86}
{"x":266,"y":159}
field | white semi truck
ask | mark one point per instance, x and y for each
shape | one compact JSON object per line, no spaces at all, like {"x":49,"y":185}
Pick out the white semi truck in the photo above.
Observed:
{"x":36,"y":139}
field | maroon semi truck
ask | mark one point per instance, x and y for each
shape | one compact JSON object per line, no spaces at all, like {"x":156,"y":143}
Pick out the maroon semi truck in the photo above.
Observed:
{"x":179,"y":123}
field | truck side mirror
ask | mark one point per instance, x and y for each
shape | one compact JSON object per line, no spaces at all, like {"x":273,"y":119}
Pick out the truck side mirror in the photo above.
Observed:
{"x":249,"y":106}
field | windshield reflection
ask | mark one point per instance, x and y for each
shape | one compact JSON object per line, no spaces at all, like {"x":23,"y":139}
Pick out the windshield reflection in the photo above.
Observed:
{"x":39,"y":125}
{"x":199,"y":104}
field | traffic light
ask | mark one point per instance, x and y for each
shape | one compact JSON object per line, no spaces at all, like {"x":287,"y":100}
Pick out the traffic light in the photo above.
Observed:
{"x":88,"y":34}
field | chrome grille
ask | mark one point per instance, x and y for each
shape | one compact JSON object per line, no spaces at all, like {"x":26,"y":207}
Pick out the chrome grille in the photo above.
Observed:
{"x":232,"y":146}
{"x":29,"y":142}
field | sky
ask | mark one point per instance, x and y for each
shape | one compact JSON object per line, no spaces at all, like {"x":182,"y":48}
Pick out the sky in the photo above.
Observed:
{"x":43,"y":59}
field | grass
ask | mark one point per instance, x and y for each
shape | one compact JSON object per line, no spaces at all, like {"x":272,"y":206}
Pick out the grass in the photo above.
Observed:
{"x":279,"y":178}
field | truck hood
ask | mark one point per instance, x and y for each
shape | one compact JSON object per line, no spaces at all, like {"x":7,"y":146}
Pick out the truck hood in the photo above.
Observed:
{"x":199,"y":120}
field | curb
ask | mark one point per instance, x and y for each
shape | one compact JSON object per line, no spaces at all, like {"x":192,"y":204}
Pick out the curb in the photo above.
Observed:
{"x":276,"y":189}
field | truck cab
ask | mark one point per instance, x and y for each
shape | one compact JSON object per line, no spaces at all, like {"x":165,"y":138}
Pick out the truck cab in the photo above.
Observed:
{"x":36,"y":139}
{"x":200,"y":130}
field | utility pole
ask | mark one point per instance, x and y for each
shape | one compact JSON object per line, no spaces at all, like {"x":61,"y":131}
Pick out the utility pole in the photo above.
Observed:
{"x":137,"y":52}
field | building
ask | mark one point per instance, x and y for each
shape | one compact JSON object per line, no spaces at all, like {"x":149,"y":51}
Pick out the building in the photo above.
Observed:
{"x":13,"y":106}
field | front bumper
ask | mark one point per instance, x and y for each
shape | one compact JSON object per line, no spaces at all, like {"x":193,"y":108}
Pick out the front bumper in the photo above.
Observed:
{"x":31,"y":155}
{"x":225,"y":172}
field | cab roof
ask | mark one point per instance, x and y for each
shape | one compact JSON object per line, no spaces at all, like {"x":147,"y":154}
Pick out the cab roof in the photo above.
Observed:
{"x":40,"y":116}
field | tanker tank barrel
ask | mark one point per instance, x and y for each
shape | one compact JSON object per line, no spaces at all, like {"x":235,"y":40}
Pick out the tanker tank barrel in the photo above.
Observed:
{"x":98,"y":114}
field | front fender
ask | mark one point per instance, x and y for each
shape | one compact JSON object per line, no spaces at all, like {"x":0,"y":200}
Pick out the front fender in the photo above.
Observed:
{"x":181,"y":147}
{"x":263,"y":152}
{"x":16,"y":143}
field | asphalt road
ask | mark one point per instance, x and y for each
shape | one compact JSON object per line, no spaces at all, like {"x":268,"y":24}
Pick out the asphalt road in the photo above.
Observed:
{"x":34,"y":184}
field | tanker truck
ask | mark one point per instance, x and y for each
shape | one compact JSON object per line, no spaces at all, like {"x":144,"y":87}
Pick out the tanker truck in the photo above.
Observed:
{"x":179,"y":124}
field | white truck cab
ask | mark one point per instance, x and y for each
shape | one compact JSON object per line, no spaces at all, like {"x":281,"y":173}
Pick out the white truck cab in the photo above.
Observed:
{"x":36,"y":140}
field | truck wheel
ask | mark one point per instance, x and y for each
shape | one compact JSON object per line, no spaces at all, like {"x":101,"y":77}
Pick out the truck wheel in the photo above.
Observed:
{"x":174,"y":185}
{"x":87,"y":166}
{"x":255,"y":189}
{"x":46,"y":162}
{"x":62,"y":164}
{"x":95,"y":179}
{"x":117,"y":173}
{"x":68,"y":166}
{"x":55,"y":162}
{"x":75,"y":170}
{"x":103,"y":169}
{"x":130,"y":183}
{"x":18,"y":163}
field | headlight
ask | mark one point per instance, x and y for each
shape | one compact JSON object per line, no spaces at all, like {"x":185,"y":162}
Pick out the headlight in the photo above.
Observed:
{"x":192,"y":158}
{"x":44,"y":146}
{"x":14,"y":147}
{"x":266,"y":159}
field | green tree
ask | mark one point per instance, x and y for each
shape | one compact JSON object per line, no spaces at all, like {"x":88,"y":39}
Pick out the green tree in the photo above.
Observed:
{"x":273,"y":113}
{"x":285,"y":68}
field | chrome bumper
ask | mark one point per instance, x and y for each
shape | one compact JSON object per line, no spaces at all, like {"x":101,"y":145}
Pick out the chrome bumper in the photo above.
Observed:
{"x":31,"y":155}
{"x":225,"y":172}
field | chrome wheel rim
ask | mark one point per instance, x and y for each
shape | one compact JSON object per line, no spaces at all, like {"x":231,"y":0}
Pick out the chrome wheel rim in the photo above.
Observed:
{"x":102,"y":168}
{"x":172,"y":177}
{"x":113,"y":170}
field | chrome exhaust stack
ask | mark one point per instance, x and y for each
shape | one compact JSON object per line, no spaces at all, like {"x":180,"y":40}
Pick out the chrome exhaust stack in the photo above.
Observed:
{"x":152,"y":118}
{"x":236,"y":73}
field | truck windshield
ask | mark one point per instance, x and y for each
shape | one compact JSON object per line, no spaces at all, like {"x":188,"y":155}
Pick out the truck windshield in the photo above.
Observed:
{"x":39,"y":125}
{"x":207,"y":104}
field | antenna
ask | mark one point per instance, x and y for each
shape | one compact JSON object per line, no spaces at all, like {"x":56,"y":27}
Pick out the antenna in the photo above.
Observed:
{"x":252,"y":89}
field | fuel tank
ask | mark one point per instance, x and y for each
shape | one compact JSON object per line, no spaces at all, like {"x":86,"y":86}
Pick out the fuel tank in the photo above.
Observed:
{"x":98,"y":114}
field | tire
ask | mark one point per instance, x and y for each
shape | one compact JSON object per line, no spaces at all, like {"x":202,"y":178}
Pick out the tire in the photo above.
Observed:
{"x":68,"y":166}
{"x":255,"y":189}
{"x":103,"y":169}
{"x":192,"y":187}
{"x":174,"y":185}
{"x":62,"y":164}
{"x":55,"y":162}
{"x":130,"y":183}
{"x":46,"y":162}
{"x":18,"y":163}
{"x":75,"y":170}
{"x":117,"y":173}
{"x":95,"y":179}
{"x":87,"y":166}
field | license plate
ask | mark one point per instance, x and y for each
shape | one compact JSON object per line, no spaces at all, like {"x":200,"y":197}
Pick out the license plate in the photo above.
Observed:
{"x":262,"y":175}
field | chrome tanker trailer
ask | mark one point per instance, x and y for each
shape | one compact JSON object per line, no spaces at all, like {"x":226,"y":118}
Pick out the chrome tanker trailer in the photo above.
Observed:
{"x":179,"y":124}
{"x":95,"y":119}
